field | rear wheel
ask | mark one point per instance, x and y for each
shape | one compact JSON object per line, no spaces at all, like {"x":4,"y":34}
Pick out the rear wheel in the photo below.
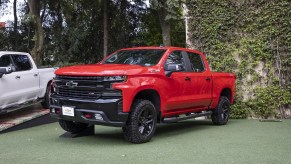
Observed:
{"x":141,"y":124}
{"x":221,"y":113}
{"x":72,"y":127}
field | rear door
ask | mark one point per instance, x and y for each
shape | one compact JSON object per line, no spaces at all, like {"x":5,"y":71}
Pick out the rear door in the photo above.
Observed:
{"x":201,"y":81}
{"x":27,"y":76}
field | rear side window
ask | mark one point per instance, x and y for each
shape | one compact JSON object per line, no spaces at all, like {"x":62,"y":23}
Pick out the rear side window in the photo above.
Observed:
{"x":21,"y":62}
{"x":5,"y":61}
{"x":197,"y":64}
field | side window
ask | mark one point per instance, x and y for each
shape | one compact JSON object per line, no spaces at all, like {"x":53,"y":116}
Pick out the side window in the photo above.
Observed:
{"x":22,"y":62}
{"x":5,"y":61}
{"x":176,"y":57}
{"x":196,"y":62}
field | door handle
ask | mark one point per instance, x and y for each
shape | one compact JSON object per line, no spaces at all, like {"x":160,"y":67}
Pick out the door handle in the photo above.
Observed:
{"x":187,"y":79}
{"x":17,"y":77}
{"x":208,"y":79}
{"x":35,"y":75}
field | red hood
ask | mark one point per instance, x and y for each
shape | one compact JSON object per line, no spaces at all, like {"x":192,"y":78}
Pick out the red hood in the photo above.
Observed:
{"x":100,"y":70}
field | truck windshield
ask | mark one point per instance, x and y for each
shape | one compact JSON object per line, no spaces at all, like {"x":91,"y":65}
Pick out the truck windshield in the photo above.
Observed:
{"x":148,"y":57}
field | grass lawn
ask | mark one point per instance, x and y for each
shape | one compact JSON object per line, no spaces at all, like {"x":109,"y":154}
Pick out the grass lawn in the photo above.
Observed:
{"x":193,"y":141}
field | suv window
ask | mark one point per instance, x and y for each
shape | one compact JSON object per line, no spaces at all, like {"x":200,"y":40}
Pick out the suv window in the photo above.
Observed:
{"x":5,"y":61}
{"x":22,"y":62}
{"x":176,"y":57}
{"x":197,"y":64}
{"x":142,"y":57}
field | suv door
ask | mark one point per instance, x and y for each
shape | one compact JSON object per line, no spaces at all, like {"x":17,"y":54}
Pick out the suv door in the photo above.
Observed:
{"x":178,"y":98}
{"x":201,"y":81}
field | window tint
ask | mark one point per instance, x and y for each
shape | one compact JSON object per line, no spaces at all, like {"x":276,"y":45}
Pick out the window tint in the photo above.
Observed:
{"x":176,"y":57}
{"x":21,"y":62}
{"x":196,"y":62}
{"x":5,"y":61}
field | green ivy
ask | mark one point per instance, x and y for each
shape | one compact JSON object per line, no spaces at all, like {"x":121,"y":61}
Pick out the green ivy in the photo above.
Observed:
{"x":253,"y":40}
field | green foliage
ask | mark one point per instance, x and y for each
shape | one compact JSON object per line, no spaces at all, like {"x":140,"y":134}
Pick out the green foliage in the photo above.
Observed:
{"x":268,"y":100}
{"x":150,"y":33}
{"x":251,"y":39}
{"x":240,"y":110}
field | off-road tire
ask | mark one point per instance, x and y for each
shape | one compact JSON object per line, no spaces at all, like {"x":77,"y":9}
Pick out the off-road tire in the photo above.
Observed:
{"x":221,"y":113}
{"x":72,"y":127}
{"x":46,"y":103}
{"x":142,"y":121}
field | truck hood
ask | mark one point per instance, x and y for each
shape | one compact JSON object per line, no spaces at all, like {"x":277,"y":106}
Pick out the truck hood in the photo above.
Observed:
{"x":101,"y":70}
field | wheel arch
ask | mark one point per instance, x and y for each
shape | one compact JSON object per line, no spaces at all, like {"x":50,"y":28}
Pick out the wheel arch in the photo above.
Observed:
{"x":227,"y":93}
{"x":151,"y":95}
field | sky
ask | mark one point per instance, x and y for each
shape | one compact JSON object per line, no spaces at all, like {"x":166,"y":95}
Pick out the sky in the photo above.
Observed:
{"x":8,"y":16}
{"x":7,"y":13}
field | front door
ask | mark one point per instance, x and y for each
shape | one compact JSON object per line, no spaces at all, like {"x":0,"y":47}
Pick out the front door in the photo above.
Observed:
{"x":21,"y":85}
{"x":178,"y":98}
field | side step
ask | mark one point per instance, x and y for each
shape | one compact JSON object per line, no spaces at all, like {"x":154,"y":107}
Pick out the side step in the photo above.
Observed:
{"x":192,"y":115}
{"x":20,"y":106}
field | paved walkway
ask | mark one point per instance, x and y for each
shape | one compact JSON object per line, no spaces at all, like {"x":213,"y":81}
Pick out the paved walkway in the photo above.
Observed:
{"x":12,"y":119}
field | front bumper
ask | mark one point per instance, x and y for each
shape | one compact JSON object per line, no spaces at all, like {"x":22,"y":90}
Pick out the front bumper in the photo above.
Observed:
{"x":109,"y":109}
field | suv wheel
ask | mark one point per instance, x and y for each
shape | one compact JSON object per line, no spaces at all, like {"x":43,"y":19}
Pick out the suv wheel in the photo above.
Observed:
{"x":221,"y":113}
{"x":46,"y":103}
{"x":142,"y":121}
{"x":72,"y":127}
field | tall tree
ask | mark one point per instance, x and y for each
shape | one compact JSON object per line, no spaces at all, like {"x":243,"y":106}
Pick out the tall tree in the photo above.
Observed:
{"x":34,"y":7}
{"x":105,"y":28}
{"x":167,"y":10}
{"x":15,"y":16}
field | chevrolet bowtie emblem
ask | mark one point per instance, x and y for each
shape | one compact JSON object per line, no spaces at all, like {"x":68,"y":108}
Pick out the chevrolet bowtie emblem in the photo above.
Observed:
{"x":71,"y":84}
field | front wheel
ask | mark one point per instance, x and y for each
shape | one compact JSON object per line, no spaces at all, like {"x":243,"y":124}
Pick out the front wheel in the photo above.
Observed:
{"x":221,"y":113}
{"x":72,"y":127}
{"x":46,"y":103}
{"x":142,"y":121}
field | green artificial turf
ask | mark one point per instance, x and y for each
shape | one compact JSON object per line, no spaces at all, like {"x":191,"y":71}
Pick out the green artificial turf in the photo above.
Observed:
{"x":193,"y":141}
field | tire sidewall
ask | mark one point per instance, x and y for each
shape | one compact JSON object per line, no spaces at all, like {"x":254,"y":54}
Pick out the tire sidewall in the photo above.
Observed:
{"x":217,"y":117}
{"x":131,"y":129}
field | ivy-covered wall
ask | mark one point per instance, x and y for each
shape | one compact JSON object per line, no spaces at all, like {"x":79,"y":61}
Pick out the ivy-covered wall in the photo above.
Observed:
{"x":251,"y":38}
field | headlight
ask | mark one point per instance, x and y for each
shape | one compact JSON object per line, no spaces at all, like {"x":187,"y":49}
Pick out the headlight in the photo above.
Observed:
{"x":115,"y":78}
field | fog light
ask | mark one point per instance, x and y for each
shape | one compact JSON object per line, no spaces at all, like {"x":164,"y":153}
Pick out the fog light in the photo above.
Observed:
{"x":88,"y":115}
{"x":98,"y":117}
{"x":58,"y":111}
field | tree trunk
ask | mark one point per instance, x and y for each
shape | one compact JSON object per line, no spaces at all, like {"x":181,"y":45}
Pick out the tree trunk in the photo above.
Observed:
{"x":14,"y":34}
{"x":187,"y":32}
{"x":34,"y":7}
{"x":105,"y":29}
{"x":165,"y":24}
{"x":15,"y":16}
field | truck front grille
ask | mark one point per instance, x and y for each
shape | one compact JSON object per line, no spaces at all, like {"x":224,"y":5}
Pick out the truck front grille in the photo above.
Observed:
{"x":67,"y":92}
{"x":84,"y":87}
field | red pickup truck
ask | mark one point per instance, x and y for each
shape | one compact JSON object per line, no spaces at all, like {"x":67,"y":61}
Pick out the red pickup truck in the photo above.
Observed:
{"x":136,"y":88}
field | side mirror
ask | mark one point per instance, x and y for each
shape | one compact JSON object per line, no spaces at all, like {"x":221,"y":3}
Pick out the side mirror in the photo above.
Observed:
{"x":170,"y":68}
{"x":5,"y":70}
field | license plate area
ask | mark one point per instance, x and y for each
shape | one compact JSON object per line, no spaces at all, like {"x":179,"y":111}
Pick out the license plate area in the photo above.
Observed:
{"x":68,"y":111}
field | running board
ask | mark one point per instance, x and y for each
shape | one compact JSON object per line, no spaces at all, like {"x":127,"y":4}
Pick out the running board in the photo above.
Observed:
{"x":20,"y":106}
{"x":192,"y":115}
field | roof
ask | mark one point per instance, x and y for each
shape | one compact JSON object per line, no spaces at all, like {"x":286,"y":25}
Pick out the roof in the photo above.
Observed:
{"x":12,"y":52}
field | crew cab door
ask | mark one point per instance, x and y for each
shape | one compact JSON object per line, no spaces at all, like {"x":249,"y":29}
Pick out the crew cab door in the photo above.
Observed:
{"x":22,"y":84}
{"x":178,"y":96}
{"x":201,"y":81}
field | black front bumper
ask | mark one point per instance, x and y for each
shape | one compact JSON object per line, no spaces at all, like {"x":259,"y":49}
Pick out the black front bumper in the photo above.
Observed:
{"x":109,"y":109}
